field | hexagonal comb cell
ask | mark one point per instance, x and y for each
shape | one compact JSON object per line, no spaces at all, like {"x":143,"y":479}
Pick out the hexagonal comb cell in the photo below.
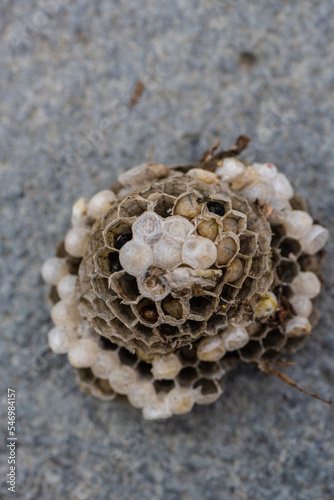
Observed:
{"x":164,"y":205}
{"x":186,"y":376}
{"x":209,"y":391}
{"x":260,"y":264}
{"x":123,"y":312}
{"x":107,"y":262}
{"x":117,"y":233}
{"x":101,"y":288}
{"x":248,"y":243}
{"x":172,"y":307}
{"x":235,"y":222}
{"x":274,"y":339}
{"x":290,"y":247}
{"x":125,"y":286}
{"x":202,"y":307}
{"x":252,"y":351}
{"x":164,"y":385}
{"x":146,"y":311}
{"x":287,"y":270}
{"x":132,"y":206}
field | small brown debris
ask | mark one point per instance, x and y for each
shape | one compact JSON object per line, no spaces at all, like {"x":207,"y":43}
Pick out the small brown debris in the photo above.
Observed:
{"x":247,"y":58}
{"x":209,"y":159}
{"x":197,"y":290}
{"x":263,"y":208}
{"x":209,"y":153}
{"x":137,"y":92}
{"x":270,"y":368}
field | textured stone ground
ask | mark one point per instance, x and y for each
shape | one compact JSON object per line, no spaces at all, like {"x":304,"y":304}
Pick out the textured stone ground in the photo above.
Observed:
{"x":211,"y":71}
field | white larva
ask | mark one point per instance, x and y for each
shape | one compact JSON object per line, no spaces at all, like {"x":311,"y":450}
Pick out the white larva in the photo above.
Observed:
{"x":266,"y":306}
{"x":230,"y":224}
{"x":83,"y":353}
{"x":158,"y":408}
{"x":235,"y":337}
{"x":60,"y":339}
{"x":148,"y":228}
{"x":297,"y":224}
{"x":180,"y":400}
{"x":105,"y":362}
{"x":79,"y":212}
{"x":188,"y":206}
{"x":282,"y":187}
{"x":53,"y":270}
{"x":230,"y":169}
{"x":302,"y":305}
{"x":258,"y":190}
{"x":66,"y":287}
{"x":267,"y":171}
{"x":234,"y":270}
{"x":100,"y":203}
{"x":122,"y":379}
{"x":203,"y":398}
{"x":142,"y":394}
{"x":314,"y":239}
{"x":167,"y":254}
{"x":135,"y":257}
{"x":307,"y":284}
{"x":166,"y":366}
{"x":208,"y":229}
{"x":211,"y":348}
{"x":65,"y":314}
{"x":298,"y":327}
{"x":76,"y":241}
{"x":204,"y":175}
{"x":226,"y":250}
{"x":199,"y":252}
{"x":177,"y":228}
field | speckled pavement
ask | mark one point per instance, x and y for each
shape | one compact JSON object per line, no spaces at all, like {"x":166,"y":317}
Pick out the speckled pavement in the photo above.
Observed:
{"x":211,"y":70}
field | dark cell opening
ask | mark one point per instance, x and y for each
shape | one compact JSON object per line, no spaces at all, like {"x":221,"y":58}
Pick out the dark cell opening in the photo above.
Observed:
{"x":164,"y":206}
{"x":287,"y":270}
{"x":188,"y":354}
{"x":251,"y":351}
{"x":186,"y":376}
{"x":121,"y":239}
{"x":107,"y":344}
{"x":127,"y":357}
{"x":114,"y":263}
{"x":293,"y":344}
{"x":216,"y":208}
{"x":86,"y":375}
{"x":200,"y":305}
{"x":144,"y":369}
{"x":290,"y":246}
{"x":271,"y":354}
{"x":163,"y":385}
{"x":207,"y":368}
{"x":168,"y":330}
{"x":273,"y":339}
{"x":207,"y":386}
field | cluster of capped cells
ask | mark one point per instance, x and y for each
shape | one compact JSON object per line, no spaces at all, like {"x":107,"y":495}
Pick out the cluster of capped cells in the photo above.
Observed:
{"x":178,"y":274}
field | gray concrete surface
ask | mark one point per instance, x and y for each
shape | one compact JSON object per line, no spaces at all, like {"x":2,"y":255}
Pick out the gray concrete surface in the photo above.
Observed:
{"x":212,"y":70}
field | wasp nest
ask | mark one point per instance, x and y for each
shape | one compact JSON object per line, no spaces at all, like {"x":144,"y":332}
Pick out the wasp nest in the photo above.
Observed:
{"x":177,"y":274}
